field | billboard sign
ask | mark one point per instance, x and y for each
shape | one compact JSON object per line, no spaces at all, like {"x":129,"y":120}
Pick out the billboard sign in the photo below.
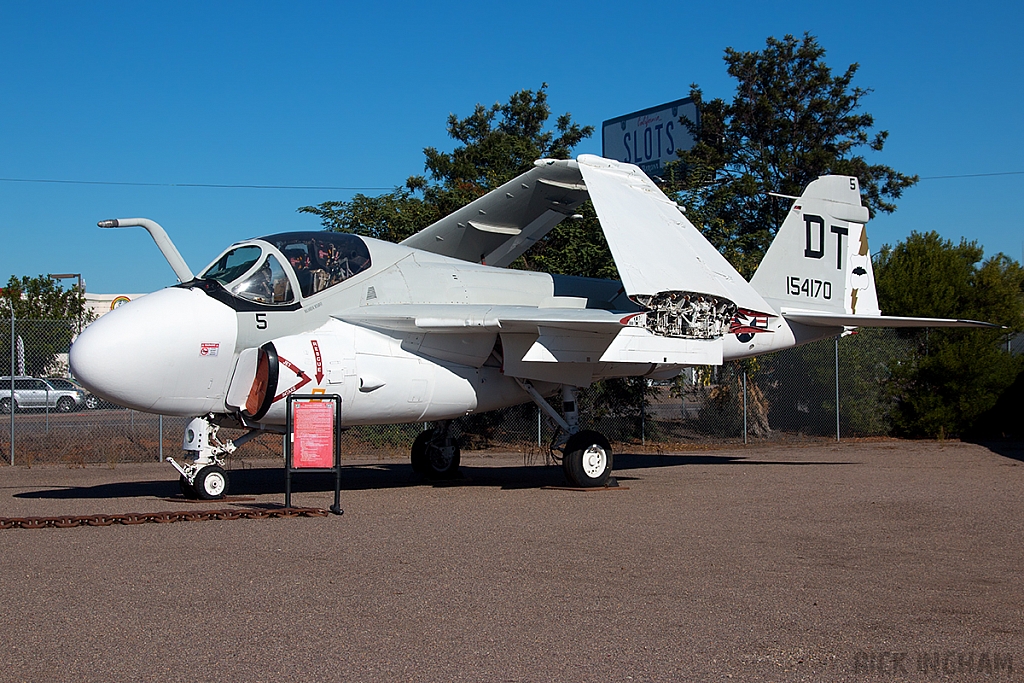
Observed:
{"x":649,"y":138}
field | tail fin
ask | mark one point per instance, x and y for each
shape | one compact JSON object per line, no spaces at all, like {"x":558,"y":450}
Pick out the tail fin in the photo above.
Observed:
{"x":820,"y":261}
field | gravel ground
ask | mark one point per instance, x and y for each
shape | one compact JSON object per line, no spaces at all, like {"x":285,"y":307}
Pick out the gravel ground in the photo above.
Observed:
{"x":885,"y":560}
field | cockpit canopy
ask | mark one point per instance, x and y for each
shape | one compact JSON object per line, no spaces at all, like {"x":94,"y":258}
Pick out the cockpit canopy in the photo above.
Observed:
{"x":316,"y":261}
{"x":322,"y":259}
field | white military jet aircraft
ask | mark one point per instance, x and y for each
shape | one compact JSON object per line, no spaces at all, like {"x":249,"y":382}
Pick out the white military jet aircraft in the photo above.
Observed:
{"x":437,"y":327}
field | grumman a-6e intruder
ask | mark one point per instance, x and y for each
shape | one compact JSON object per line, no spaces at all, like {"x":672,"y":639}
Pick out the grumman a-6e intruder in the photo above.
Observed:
{"x":438,"y":327}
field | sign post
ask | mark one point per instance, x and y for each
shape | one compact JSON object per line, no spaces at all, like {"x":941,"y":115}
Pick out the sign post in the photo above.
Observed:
{"x":312,"y":442}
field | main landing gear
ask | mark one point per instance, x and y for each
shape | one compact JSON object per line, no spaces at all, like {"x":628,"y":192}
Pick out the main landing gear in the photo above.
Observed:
{"x":435,"y":453}
{"x":586,"y":455}
{"x":205,"y":477}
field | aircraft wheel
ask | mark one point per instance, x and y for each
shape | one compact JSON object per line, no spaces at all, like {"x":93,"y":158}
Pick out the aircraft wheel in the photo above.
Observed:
{"x":211,"y":482}
{"x":186,"y":488}
{"x":435,"y":456}
{"x":587,"y":461}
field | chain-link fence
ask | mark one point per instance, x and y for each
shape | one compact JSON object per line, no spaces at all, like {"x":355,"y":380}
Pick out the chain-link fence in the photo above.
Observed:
{"x":787,"y":395}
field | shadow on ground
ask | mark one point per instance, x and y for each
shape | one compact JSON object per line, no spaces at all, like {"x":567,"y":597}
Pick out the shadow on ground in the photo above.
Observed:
{"x":271,"y":481}
{"x":1012,"y":449}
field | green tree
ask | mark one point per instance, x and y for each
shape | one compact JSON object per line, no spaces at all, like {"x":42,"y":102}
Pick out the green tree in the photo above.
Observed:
{"x":790,"y":121}
{"x":495,"y":144}
{"x":46,"y":316}
{"x":955,"y":374}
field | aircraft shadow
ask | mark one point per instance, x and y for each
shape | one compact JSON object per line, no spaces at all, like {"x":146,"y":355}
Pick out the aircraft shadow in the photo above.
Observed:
{"x":1008,"y":449}
{"x":271,"y":481}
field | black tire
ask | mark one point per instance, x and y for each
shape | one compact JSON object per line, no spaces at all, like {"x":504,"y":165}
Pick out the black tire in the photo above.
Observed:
{"x":5,"y":406}
{"x":211,"y":483}
{"x":92,"y":403}
{"x":65,"y":404}
{"x":186,"y":488}
{"x":435,"y":455}
{"x":587,"y":460}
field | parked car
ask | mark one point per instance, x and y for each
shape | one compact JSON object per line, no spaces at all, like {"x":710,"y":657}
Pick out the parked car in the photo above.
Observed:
{"x":35,"y":393}
{"x":91,"y":402}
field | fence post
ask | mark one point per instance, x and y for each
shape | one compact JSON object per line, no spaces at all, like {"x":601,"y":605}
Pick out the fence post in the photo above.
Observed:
{"x":538,"y":426}
{"x":12,"y":383}
{"x":744,"y":406}
{"x":160,"y":436}
{"x":643,"y":411}
{"x":837,"y":389}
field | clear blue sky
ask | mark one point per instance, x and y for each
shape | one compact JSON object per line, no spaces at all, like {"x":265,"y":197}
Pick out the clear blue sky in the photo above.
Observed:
{"x":348,"y":94}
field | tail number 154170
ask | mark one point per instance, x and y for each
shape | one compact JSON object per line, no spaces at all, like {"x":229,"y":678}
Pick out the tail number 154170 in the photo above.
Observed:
{"x":814,"y":289}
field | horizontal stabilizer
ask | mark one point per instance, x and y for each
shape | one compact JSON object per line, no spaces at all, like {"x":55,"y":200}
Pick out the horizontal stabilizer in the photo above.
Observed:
{"x":816,"y":319}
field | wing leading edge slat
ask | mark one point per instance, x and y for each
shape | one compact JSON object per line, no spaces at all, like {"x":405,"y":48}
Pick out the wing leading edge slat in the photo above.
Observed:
{"x":460,"y":319}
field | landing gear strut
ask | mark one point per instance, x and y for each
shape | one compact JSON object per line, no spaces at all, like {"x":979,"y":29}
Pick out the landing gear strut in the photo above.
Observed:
{"x":586,"y":455}
{"x":205,"y":477}
{"x":435,"y":453}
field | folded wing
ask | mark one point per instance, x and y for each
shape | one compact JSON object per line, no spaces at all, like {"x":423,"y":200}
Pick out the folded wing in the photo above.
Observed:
{"x":498,"y":227}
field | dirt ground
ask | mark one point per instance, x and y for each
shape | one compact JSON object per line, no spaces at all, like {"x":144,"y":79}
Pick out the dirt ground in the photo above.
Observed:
{"x":884,"y":560}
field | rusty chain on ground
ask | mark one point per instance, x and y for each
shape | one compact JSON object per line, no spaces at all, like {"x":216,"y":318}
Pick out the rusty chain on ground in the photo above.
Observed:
{"x":67,"y":521}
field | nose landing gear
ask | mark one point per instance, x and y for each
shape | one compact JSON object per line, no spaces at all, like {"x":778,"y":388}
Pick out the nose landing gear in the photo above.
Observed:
{"x":205,"y":477}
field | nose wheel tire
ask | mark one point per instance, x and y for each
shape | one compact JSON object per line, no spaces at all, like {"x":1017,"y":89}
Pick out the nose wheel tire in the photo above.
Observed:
{"x":436,"y":455}
{"x":587,"y":460}
{"x":211,"y":482}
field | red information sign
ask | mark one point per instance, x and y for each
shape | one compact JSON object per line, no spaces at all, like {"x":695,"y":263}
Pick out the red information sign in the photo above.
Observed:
{"x":313,"y":435}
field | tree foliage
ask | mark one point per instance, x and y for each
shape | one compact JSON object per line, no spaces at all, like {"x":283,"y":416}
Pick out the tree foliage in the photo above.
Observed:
{"x":956,"y":374}
{"x":41,"y":298}
{"x":495,"y":144}
{"x":791,"y":120}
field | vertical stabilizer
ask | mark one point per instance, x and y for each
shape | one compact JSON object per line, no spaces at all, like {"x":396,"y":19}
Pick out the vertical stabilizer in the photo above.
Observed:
{"x":820,"y":261}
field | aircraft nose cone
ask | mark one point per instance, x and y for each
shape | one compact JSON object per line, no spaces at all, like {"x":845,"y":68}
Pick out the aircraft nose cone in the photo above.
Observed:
{"x":168,"y":352}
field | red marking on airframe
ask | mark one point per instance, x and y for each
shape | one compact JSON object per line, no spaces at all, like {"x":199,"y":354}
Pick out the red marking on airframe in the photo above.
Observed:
{"x":319,"y":361}
{"x":756,"y":322}
{"x":303,"y":378}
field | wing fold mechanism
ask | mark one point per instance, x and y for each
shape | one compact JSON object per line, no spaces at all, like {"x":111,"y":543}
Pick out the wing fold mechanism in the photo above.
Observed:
{"x":687,"y":287}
